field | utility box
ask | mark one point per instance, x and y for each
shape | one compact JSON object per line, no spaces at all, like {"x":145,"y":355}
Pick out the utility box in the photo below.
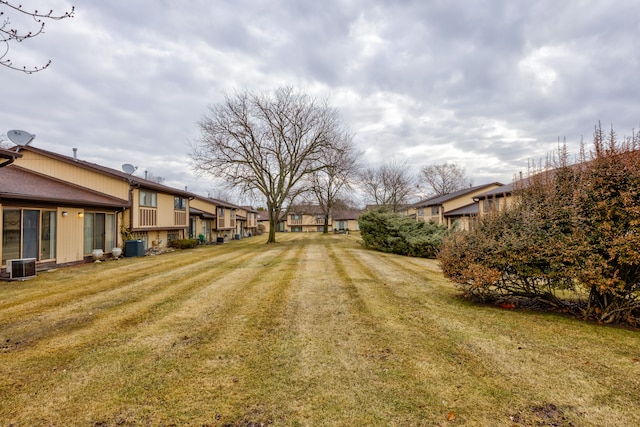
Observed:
{"x":133,"y":248}
{"x":21,"y":268}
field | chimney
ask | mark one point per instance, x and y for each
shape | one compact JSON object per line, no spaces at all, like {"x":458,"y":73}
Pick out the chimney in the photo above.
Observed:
{"x":75,"y":154}
{"x":146,"y":174}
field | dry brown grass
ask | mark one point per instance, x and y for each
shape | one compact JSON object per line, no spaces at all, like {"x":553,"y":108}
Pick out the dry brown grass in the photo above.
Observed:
{"x":311,"y":331}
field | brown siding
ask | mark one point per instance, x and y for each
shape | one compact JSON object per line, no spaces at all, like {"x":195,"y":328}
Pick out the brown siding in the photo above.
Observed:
{"x":148,"y":217}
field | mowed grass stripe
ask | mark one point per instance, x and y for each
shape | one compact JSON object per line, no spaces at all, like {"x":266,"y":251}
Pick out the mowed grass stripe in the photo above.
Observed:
{"x":342,"y":367}
{"x":313,"y":330}
{"x":39,"y":294}
{"x":197,"y":358}
{"x":24,"y":296}
{"x":432,"y":354}
{"x":452,"y":327}
{"x":419,"y":384}
{"x":115,"y":327}
{"x":232,"y":355}
{"x":25,"y":328}
{"x":498,"y":351}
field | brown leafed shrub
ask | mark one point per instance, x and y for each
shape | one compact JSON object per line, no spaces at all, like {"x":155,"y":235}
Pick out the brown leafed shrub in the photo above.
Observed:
{"x":573,"y":228}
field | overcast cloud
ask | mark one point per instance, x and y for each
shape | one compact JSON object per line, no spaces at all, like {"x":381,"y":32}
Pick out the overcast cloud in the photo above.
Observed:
{"x":488,"y":84}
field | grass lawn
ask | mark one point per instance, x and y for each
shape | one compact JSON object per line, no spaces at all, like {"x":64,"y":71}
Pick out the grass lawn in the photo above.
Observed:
{"x":311,"y":331}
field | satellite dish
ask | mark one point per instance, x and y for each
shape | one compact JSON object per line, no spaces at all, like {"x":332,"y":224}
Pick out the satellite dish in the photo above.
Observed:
{"x":20,"y":137}
{"x":128,"y":168}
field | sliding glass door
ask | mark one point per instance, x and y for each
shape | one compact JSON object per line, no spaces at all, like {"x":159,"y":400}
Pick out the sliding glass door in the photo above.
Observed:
{"x":28,"y":233}
{"x":99,"y":231}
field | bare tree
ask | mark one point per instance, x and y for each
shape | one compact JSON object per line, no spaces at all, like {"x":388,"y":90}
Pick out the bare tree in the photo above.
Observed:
{"x":329,"y":184}
{"x":269,"y":143}
{"x":9,"y":34}
{"x":445,"y":178}
{"x":390,"y":185}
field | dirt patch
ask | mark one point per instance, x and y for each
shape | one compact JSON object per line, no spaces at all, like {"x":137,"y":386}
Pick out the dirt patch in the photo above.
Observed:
{"x":543,"y":415}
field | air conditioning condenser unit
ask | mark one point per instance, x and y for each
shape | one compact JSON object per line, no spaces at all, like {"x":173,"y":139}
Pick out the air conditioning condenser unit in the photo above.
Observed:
{"x":23,"y":268}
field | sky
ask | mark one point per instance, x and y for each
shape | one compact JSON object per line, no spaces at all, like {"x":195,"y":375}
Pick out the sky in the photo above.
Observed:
{"x":487,"y":84}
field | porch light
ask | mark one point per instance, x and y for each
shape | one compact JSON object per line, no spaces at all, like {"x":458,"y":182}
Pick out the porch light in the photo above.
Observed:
{"x":65,"y":213}
{"x":80,"y":214}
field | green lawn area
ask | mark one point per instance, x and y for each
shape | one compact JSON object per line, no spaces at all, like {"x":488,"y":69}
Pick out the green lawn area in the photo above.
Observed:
{"x":311,"y":331}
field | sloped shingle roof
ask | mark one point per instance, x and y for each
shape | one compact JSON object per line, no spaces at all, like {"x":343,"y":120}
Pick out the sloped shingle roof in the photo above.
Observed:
{"x":438,"y":200}
{"x":470,"y":209}
{"x":17,"y":183}
{"x":346,"y":214}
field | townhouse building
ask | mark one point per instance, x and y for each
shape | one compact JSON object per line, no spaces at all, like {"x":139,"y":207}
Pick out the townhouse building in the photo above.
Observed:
{"x":455,"y":209}
{"x":215,"y":221}
{"x":58,"y":209}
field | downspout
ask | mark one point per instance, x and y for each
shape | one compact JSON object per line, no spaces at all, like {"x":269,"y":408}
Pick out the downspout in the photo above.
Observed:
{"x":132,"y":186}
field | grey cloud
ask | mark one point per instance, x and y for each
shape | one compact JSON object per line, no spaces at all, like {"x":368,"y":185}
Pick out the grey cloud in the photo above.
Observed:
{"x":488,"y":84}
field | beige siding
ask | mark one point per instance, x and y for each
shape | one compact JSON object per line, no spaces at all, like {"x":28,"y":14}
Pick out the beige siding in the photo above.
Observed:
{"x":70,"y":236}
{"x":466,"y":199}
{"x":226,"y":221}
{"x":96,"y":181}
{"x":309,"y":223}
{"x":203,"y":206}
{"x":163,"y":215}
{"x":165,"y":211}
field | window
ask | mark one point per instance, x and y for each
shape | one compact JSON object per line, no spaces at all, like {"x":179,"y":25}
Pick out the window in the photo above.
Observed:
{"x":421,"y":212}
{"x":491,"y":205}
{"x":28,"y":233}
{"x":99,"y":231}
{"x":435,"y":210}
{"x":11,"y":232}
{"x":296,"y":217}
{"x":179,"y":203}
{"x":220,"y":212}
{"x":148,"y":198}
{"x":232,"y":214}
{"x":296,"y":229}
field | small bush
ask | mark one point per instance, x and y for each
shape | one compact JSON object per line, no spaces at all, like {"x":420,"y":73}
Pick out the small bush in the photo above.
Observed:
{"x":183,"y":243}
{"x":394,"y":233}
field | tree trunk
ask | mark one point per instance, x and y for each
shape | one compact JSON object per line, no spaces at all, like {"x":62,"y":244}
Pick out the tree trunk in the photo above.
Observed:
{"x":326,"y":224}
{"x":273,"y":223}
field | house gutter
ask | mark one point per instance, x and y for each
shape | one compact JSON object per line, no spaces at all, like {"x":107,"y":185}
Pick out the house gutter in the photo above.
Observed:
{"x":7,"y":162}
